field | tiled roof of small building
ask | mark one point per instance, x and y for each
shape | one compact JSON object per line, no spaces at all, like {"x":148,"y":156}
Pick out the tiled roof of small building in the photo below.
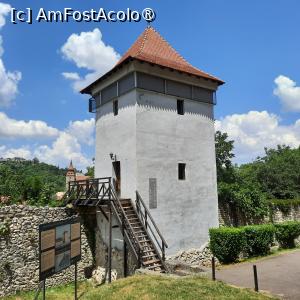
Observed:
{"x":82,"y":177}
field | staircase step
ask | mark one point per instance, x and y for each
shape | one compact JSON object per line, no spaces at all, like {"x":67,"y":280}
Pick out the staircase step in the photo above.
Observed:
{"x":129,"y":215}
{"x":126,"y":206}
{"x":145,"y":241}
{"x":143,"y":235}
{"x":154,"y":267}
{"x":150,"y":262}
{"x":132,"y":218}
{"x":135,"y":222}
{"x":149,"y":255}
{"x":152,"y":250}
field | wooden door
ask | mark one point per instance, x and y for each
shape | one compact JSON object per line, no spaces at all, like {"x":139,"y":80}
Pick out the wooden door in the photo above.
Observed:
{"x":117,"y":176}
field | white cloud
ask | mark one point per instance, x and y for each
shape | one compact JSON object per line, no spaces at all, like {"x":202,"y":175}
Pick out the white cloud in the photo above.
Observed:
{"x":23,"y":152}
{"x":4,"y":10}
{"x":288,"y":93}
{"x":67,"y":143}
{"x":8,"y":80}
{"x":63,"y":149}
{"x":11,"y":128}
{"x":71,"y":76}
{"x":87,"y":50}
{"x":83,"y":131}
{"x":255,"y":130}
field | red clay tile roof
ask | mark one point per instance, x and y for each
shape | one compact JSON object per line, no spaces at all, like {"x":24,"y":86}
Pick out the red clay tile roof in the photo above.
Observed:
{"x":82,"y":177}
{"x":151,"y":47}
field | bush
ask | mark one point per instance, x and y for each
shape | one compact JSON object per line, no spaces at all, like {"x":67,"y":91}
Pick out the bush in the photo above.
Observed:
{"x":258,"y":239}
{"x":227,"y":243}
{"x":284,"y":205}
{"x":286,"y":233}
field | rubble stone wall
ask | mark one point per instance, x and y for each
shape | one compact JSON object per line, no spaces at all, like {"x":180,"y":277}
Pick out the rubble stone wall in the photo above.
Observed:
{"x":19,"y":257}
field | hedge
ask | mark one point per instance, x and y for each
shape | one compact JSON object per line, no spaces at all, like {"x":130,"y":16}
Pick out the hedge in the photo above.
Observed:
{"x":286,"y":233}
{"x":226,"y":243}
{"x":258,"y":239}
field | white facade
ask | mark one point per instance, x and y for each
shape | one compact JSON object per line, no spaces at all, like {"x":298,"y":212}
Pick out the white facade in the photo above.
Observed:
{"x":150,"y":139}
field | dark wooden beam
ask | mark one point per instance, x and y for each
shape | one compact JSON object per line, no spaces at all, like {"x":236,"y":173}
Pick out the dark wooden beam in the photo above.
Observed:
{"x":110,"y":244}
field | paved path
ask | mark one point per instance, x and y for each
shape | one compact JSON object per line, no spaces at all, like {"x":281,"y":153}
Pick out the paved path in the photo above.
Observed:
{"x":278,"y":274}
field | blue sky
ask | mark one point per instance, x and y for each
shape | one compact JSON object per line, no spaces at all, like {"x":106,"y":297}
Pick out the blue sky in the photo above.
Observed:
{"x":253,"y":45}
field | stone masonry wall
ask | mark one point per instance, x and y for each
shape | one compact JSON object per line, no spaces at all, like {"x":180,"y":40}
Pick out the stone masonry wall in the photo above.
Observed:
{"x":293,"y":214}
{"x":229,"y":216}
{"x":19,"y":257}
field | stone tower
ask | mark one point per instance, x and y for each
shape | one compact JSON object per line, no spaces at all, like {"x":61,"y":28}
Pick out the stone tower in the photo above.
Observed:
{"x":155,"y":134}
{"x":71,"y":174}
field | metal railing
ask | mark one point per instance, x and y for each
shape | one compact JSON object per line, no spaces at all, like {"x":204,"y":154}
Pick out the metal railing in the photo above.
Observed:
{"x":150,"y":225}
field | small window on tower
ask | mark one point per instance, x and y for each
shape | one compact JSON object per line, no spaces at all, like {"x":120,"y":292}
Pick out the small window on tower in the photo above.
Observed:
{"x":115,"y":107}
{"x":180,"y":107}
{"x":181,"y":171}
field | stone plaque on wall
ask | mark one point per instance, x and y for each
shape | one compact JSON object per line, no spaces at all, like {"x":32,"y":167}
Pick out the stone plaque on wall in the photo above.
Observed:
{"x":152,"y":193}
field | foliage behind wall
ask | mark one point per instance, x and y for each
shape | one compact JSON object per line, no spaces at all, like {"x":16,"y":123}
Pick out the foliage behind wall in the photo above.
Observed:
{"x":251,"y":188}
{"x":30,"y":181}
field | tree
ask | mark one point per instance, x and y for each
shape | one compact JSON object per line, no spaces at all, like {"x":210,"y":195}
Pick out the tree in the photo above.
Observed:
{"x":24,"y":180}
{"x":279,"y":172}
{"x":32,"y":188}
{"x":224,"y":155}
{"x":90,"y":171}
{"x":238,"y":189}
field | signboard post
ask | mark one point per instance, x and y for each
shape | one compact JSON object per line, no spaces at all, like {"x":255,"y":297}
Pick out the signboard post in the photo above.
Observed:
{"x":59,"y":248}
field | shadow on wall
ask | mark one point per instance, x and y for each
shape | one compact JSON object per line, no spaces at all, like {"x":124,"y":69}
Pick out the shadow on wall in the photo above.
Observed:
{"x":107,"y":110}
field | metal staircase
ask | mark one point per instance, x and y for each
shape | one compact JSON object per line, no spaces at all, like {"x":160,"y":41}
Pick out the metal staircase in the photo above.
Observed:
{"x":140,"y":232}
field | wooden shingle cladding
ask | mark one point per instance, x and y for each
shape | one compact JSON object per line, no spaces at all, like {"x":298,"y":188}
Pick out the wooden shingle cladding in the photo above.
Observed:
{"x":155,"y":84}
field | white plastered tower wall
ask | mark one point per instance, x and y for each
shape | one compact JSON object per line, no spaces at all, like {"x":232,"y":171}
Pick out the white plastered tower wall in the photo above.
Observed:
{"x":186,"y":209}
{"x":150,"y":138}
{"x":117,"y":135}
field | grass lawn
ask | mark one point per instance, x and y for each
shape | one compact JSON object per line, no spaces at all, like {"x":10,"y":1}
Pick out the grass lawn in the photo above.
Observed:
{"x":145,"y":287}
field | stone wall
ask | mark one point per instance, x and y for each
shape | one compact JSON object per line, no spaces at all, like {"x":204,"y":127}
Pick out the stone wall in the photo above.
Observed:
{"x":230,"y":216}
{"x":292,"y":214}
{"x":19,"y":257}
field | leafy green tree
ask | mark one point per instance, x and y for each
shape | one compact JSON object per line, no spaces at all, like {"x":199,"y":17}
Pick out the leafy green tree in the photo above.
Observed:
{"x":32,"y":188}
{"x":239,"y":189}
{"x":224,"y":155}
{"x":90,"y":171}
{"x":279,"y":172}
{"x":28,"y":180}
{"x":46,"y":196}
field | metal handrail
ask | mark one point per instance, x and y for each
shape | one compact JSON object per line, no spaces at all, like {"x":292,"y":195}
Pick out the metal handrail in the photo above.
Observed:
{"x":140,"y":200}
{"x":116,"y":198}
